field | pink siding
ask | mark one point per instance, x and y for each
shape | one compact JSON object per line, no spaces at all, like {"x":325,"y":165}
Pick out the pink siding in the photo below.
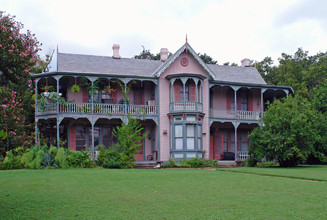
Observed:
{"x":176,"y":68}
{"x":256,"y":100}
{"x":205,"y":122}
{"x":219,"y":100}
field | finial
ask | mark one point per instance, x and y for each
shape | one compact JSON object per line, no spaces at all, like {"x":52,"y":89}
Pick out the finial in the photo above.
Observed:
{"x":186,"y":44}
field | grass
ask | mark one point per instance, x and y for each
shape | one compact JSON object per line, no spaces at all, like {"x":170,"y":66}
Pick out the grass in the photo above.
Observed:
{"x":160,"y":194}
{"x":317,"y":172}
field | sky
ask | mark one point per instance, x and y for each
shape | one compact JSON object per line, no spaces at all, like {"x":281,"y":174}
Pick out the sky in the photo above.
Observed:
{"x":226,"y":30}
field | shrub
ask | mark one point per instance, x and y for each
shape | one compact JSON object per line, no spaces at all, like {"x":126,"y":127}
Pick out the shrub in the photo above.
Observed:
{"x":193,"y":163}
{"x":61,"y":158}
{"x":11,"y":161}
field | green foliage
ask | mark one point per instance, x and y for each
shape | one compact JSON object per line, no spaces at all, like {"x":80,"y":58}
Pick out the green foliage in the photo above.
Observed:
{"x":109,"y":158}
{"x":130,"y":139}
{"x":61,"y":158}
{"x":75,"y":88}
{"x":288,"y":134}
{"x":11,"y":161}
{"x":207,"y":59}
{"x":193,"y":163}
{"x":3,"y":134}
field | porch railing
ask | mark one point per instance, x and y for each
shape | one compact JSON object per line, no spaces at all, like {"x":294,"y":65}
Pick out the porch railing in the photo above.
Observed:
{"x":230,"y":114}
{"x":243,"y":155}
{"x":186,"y":106}
{"x":98,"y":108}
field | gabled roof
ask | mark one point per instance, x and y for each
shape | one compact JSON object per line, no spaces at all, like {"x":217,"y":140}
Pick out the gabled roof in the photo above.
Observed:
{"x":237,"y":74}
{"x":168,"y":62}
{"x":78,"y":63}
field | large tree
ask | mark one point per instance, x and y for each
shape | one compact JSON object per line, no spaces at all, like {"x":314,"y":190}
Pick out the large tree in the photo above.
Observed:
{"x":18,"y":50}
{"x":18,"y":60}
{"x":288,"y":134}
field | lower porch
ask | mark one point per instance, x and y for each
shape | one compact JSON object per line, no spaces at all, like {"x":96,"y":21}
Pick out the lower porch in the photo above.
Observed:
{"x":83,"y":135}
{"x":229,"y":141}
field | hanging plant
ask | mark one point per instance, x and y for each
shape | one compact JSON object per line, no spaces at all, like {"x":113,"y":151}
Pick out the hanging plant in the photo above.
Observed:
{"x":108,"y":89}
{"x":47,"y":88}
{"x":75,"y":88}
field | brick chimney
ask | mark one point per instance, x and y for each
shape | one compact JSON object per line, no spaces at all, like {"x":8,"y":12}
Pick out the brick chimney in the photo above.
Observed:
{"x":163,"y":54}
{"x":115,"y":48}
{"x":245,"y":62}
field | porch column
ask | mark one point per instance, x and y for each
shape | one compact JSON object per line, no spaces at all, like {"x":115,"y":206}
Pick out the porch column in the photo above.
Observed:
{"x":92,"y":124}
{"x":184,"y":94}
{"x":58,"y":138}
{"x":235,"y":107}
{"x":235,"y":136}
{"x":92,"y":96}
{"x":57,"y":78}
{"x":125,"y":97}
{"x":36,"y":121}
{"x":261,"y":94}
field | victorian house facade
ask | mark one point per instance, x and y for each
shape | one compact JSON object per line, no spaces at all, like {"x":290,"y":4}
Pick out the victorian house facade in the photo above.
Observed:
{"x":185,"y":106}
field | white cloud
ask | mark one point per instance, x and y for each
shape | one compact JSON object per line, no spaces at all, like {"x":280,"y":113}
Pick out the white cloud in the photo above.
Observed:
{"x":228,"y":30}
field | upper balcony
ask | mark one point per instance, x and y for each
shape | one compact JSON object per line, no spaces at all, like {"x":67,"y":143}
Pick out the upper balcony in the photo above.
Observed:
{"x":96,"y":108}
{"x":186,"y":94}
{"x":102,"y":96}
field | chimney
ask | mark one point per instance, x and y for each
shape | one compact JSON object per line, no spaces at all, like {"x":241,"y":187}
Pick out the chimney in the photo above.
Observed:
{"x":245,"y":62}
{"x":163,"y":54}
{"x":115,"y":48}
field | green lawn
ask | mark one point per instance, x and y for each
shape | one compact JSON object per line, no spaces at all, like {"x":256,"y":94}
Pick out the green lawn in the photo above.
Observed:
{"x":302,"y":172}
{"x":160,"y":194}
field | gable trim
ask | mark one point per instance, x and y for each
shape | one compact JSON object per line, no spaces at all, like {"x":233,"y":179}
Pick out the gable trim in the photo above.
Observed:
{"x":168,"y":62}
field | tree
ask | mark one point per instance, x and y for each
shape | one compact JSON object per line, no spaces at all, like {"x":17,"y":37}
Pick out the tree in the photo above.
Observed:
{"x":18,"y":51}
{"x":300,"y":71}
{"x":18,"y":60}
{"x":147,"y":55}
{"x":289,"y":132}
{"x":207,"y":59}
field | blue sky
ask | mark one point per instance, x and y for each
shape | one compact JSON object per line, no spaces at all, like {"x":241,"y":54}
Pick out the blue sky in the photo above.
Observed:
{"x":227,"y":30}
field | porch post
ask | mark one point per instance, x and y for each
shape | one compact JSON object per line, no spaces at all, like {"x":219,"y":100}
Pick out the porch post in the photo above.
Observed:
{"x":235,"y":107}
{"x":235,"y":136}
{"x":57,"y":78}
{"x":92,"y":96}
{"x":125,"y":101}
{"x":36,"y":121}
{"x":36,"y":132}
{"x":196,"y":94}
{"x":92,"y":124}
{"x":184,"y":94}
{"x":58,"y":139}
{"x":261,"y":94}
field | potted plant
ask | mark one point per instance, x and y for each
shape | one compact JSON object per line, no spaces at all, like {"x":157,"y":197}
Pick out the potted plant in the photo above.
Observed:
{"x":48,"y":88}
{"x":75,"y":88}
{"x":108,"y":89}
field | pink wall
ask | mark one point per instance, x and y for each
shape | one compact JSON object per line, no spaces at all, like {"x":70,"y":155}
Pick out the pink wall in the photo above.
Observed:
{"x":219,"y":99}
{"x":176,"y":68}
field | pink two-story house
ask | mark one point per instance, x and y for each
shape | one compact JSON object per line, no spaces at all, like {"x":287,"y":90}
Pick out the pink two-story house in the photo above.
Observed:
{"x":187,"y":108}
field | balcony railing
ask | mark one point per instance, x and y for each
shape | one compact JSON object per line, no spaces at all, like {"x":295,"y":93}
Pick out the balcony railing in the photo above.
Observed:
{"x":186,"y":106}
{"x":107,"y":109}
{"x":230,"y":114}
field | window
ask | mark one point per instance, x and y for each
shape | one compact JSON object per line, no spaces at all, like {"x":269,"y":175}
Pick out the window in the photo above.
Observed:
{"x":187,"y":137}
{"x":190,"y":136}
{"x":186,"y":98}
{"x":243,"y":100}
{"x":179,"y":137}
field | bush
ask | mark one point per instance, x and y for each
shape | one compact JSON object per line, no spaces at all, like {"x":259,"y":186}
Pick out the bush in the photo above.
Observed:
{"x":193,"y":163}
{"x":61,"y":158}
{"x":11,"y":161}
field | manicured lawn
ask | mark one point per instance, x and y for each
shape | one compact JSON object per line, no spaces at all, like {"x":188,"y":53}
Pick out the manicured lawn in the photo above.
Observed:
{"x":158,"y":194}
{"x":302,"y":172}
